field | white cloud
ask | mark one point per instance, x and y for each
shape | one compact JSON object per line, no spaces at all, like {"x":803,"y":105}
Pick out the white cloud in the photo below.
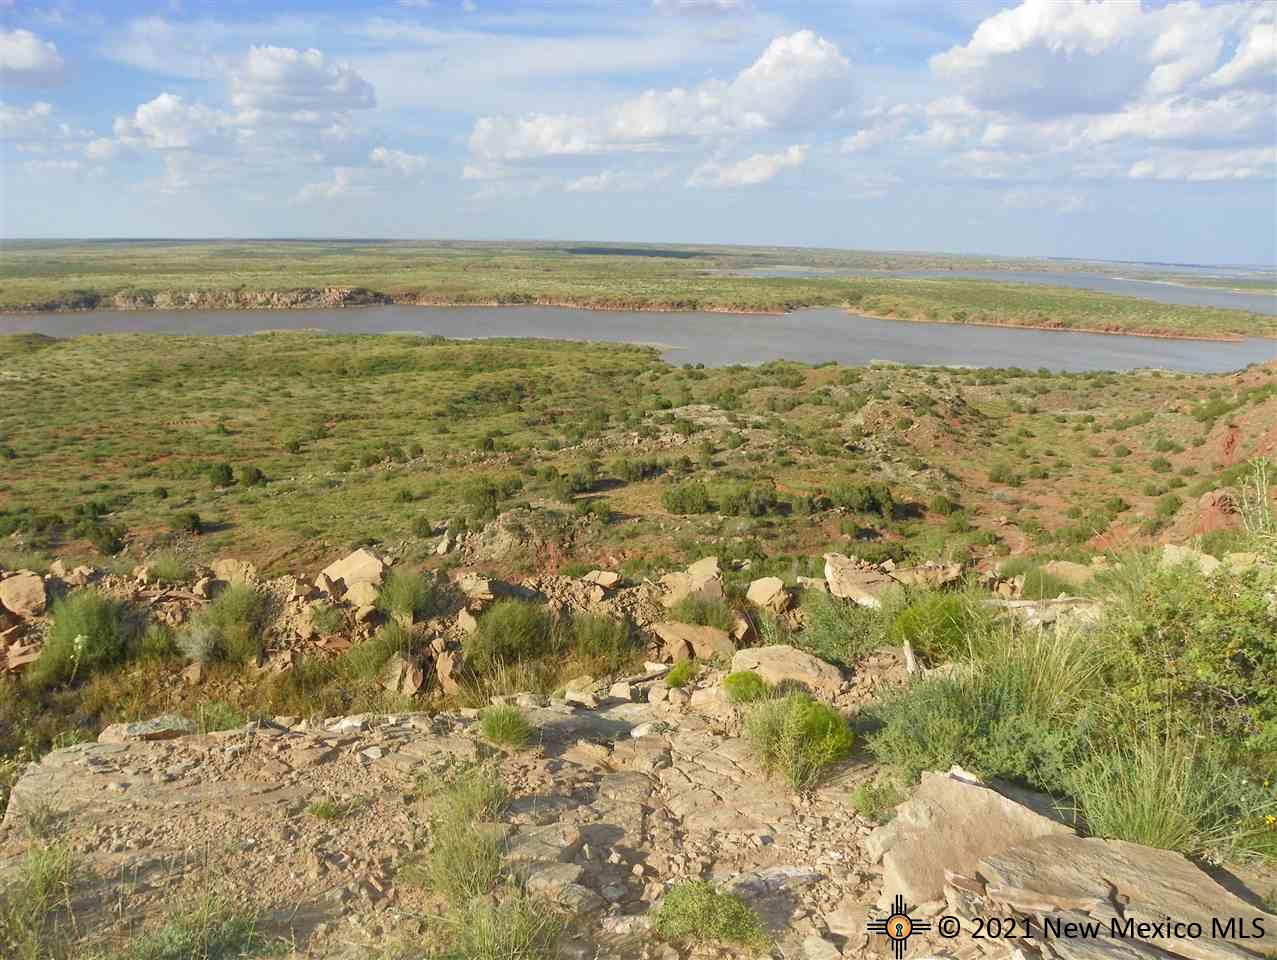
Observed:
{"x":1255,"y":61}
{"x":398,"y":161}
{"x":749,"y":172}
{"x":798,"y":78}
{"x":101,"y":148}
{"x":1257,"y":163}
{"x":24,"y":123}
{"x":616,"y":181}
{"x":169,"y":123}
{"x":284,"y":80}
{"x":28,"y":61}
{"x":338,"y":186}
{"x":1232,"y":115}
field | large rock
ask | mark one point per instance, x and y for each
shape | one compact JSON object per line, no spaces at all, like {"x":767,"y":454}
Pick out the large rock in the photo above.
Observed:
{"x":701,"y":580}
{"x":403,"y":676}
{"x":934,"y":576}
{"x":362,"y":566}
{"x":777,"y":664}
{"x":769,"y":593}
{"x":1056,"y":873}
{"x":362,"y":593}
{"x":682,"y":641}
{"x":951,"y":823}
{"x":1074,"y":574}
{"x":167,"y":727}
{"x":234,"y":571}
{"x":24,"y":595}
{"x":607,"y":579}
{"x":1176,"y":556}
{"x":851,"y":581}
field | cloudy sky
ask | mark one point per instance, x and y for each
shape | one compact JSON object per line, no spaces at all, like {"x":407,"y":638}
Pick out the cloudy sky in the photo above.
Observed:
{"x":1053,"y":127}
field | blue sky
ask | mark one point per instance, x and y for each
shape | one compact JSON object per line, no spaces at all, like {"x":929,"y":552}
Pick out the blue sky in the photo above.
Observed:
{"x":1050,"y":127}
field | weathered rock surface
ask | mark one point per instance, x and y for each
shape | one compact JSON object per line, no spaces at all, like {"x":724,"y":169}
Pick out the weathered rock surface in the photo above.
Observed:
{"x":701,"y":579}
{"x":849,"y":580}
{"x":234,"y":571}
{"x":769,"y":593}
{"x":362,"y":566}
{"x":1174,"y":555}
{"x":24,"y":594}
{"x":950,"y":823}
{"x":786,"y":664}
{"x":168,"y":727}
{"x":683,"y":641}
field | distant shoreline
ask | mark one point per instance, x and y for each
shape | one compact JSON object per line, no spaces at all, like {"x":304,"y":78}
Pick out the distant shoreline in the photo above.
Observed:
{"x":372,"y":299}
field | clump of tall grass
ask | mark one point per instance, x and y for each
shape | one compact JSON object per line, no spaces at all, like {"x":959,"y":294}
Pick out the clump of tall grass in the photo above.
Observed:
{"x":230,"y":628}
{"x":88,"y":633}
{"x":797,"y":737}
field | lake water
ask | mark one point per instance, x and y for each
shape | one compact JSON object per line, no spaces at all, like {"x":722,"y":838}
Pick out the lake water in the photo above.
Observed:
{"x":715,"y":339}
{"x":1156,"y":290}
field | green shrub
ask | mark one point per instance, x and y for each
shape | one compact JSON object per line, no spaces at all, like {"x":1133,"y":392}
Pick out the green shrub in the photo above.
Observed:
{"x":511,"y":631}
{"x":218,"y":715}
{"x":1160,"y":793}
{"x":865,"y":498}
{"x":36,"y":919}
{"x":88,"y":632}
{"x":327,"y":619}
{"x":465,"y":858}
{"x":698,"y":912}
{"x":837,"y":631}
{"x":704,"y":612}
{"x":687,"y":498}
{"x":107,"y":538}
{"x":169,"y":567}
{"x":505,"y":725}
{"x":797,"y":737}
{"x":251,"y":476}
{"x":515,"y":926}
{"x":412,"y":596}
{"x":221,"y":475}
{"x":943,"y":505}
{"x":231,"y":626}
{"x":680,"y":674}
{"x":186,"y":521}
{"x":876,"y":800}
{"x":1038,"y":584}
{"x":155,"y":644}
{"x":745,"y":686}
{"x":364,"y":661}
{"x":939,"y":626}
{"x":602,"y":638}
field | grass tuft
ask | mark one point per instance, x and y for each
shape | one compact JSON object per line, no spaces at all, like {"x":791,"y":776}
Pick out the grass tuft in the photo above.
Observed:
{"x":798,"y":737}
{"x":698,"y":912}
{"x":505,"y":725}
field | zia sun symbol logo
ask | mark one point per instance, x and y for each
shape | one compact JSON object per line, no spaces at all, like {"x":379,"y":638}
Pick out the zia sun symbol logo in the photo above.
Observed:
{"x":898,"y":927}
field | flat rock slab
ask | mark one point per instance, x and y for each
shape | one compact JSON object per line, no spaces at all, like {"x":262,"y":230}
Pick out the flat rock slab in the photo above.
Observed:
{"x":781,"y":663}
{"x":1058,"y":872}
{"x":951,"y":823}
{"x":850,"y":581}
{"x":170,"y":726}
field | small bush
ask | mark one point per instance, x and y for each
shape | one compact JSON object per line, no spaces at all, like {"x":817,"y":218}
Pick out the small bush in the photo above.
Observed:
{"x":465,"y":859}
{"x":681,"y":675}
{"x":412,"y":596}
{"x":698,"y":912}
{"x":602,"y":638}
{"x":745,"y":686}
{"x":88,"y":632}
{"x":511,"y":631}
{"x":327,"y":619}
{"x":687,"y":498}
{"x":221,"y":475}
{"x":251,"y":476}
{"x":169,"y":567}
{"x":505,"y":725}
{"x":230,"y":628}
{"x":836,"y":631}
{"x":186,"y":521}
{"x":943,"y":505}
{"x":513,"y":926}
{"x":35,"y":905}
{"x":938,"y":625}
{"x":210,"y":928}
{"x":218,"y":715}
{"x":876,"y":800}
{"x":798,"y":737}
{"x":704,"y":612}
{"x":364,"y":661}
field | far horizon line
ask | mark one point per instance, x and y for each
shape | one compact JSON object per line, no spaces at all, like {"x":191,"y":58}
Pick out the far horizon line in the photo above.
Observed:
{"x":635,"y":243}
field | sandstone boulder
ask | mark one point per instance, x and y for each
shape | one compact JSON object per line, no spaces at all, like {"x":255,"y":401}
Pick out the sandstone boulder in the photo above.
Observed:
{"x":850,"y":580}
{"x":780,"y":663}
{"x":683,"y":641}
{"x":701,"y":579}
{"x":24,"y":595}
{"x":1176,"y":556}
{"x":607,"y":579}
{"x":361,"y":594}
{"x":950,"y":823}
{"x":362,"y":566}
{"x":769,"y":593}
{"x":933,"y":576}
{"x":403,"y":676}
{"x":1074,"y":574}
{"x":1059,"y":872}
{"x":234,"y":571}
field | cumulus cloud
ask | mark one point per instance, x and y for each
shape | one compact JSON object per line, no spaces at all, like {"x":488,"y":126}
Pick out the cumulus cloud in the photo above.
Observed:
{"x":170,"y":123}
{"x":615,"y":181}
{"x":21,"y":123}
{"x":757,"y":169}
{"x":28,"y":61}
{"x":101,"y":148}
{"x":284,"y":80}
{"x":397,"y":161}
{"x":1257,"y":163}
{"x":797,"y":78}
{"x":338,"y":186}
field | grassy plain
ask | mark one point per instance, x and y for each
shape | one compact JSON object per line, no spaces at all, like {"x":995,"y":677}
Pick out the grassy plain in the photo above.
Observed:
{"x":46,"y":275}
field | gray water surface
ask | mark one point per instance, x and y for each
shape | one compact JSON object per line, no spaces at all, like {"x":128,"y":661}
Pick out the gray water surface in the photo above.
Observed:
{"x":1159,"y":291}
{"x":714,"y":339}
